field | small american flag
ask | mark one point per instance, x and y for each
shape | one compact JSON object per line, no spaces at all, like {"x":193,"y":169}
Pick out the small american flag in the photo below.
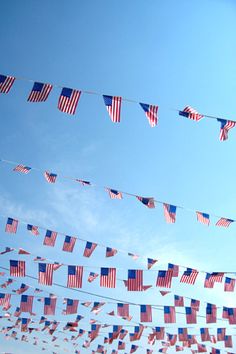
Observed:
{"x":208,"y":283}
{"x":33,"y":229}
{"x":135,"y":280}
{"x":151,"y":113}
{"x":191,"y":113}
{"x":110,"y":252}
{"x":174,"y":268}
{"x":39,"y":92}
{"x":164,"y":278}
{"x":22,"y":169}
{"x":121,"y":345}
{"x":49,"y":306}
{"x":68,"y":100}
{"x":69,"y":244}
{"x":145,"y":313}
{"x":216,"y":277}
{"x":179,"y":301}
{"x":201,"y":348}
{"x":189,"y":276}
{"x":211,"y":313}
{"x":226,"y":125}
{"x":148,"y":202}
{"x":22,"y":289}
{"x":75,"y":276}
{"x":223,"y":222}
{"x":229,"y":284}
{"x":108,"y":277}
{"x":6,"y":83}
{"x":26,"y":303}
{"x":89,"y":248}
{"x":123,"y":310}
{"x":92,"y":276}
{"x":50,"y":238}
{"x":228,"y":341}
{"x":17,"y":268}
{"x":113,"y":105}
{"x":133,"y":348}
{"x":7,"y":250}
{"x":169,"y":212}
{"x":191,"y":316}
{"x":203,"y":218}
{"x":221,"y":334}
{"x":71,"y":306}
{"x":169,"y":314}
{"x":24,"y":324}
{"x":5,"y":301}
{"x":114,"y":194}
{"x":50,"y":177}
{"x":205,"y":336}
{"x":183,"y":334}
{"x":231,"y":315}
{"x":17,"y":312}
{"x":84,"y":183}
{"x":151,"y":262}
{"x":11,"y":226}
{"x":45,"y":273}
{"x":195,"y":304}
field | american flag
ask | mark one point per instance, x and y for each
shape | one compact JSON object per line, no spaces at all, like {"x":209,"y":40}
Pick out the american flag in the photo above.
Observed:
{"x":122,"y":310}
{"x":50,"y":238}
{"x":24,"y":324}
{"x":50,"y":177}
{"x":169,"y":212}
{"x":215,"y":351}
{"x":113,"y":105}
{"x":108,"y":277}
{"x":39,"y":92}
{"x":5,"y":301}
{"x":121,"y":345}
{"x":6,"y":83}
{"x":201,"y":348}
{"x":22,"y":251}
{"x":123,"y":333}
{"x":190,"y":315}
{"x":114,"y":194}
{"x":191,"y":113}
{"x":182,"y":334}
{"x":92,"y":276}
{"x":45,"y":273}
{"x":7,"y":250}
{"x":17,"y":268}
{"x":224,"y":222}
{"x":100,"y":349}
{"x":205,"y":336}
{"x":68,"y":100}
{"x":96,"y":306}
{"x":174,"y":268}
{"x":159,"y":332}
{"x":145,"y":313}
{"x":211,"y":313}
{"x":26,"y":303}
{"x":135,"y":280}
{"x":94,"y":331}
{"x":151,"y":113}
{"x":22,"y":169}
{"x":149,"y":351}
{"x":17,"y":312}
{"x":229,"y":284}
{"x":133,"y":348}
{"x":110,"y":252}
{"x":231,"y":315}
{"x":208,"y":283}
{"x":171,"y":339}
{"x":151,"y":262}
{"x":75,"y":276}
{"x":69,"y":244}
{"x":49,"y":306}
{"x":195,"y":304}
{"x":164,"y":278}
{"x":11,"y":226}
{"x":179,"y":301}
{"x":23,"y":288}
{"x":203,"y":218}
{"x":84,"y":183}
{"x":221,"y":334}
{"x":216,"y":277}
{"x":228,"y":341}
{"x":226,"y":125}
{"x":189,"y":276}
{"x":169,"y":314}
{"x":71,"y":306}
{"x":89,"y":248}
{"x":33,"y":229}
{"x":148,"y":202}
{"x":225,"y":312}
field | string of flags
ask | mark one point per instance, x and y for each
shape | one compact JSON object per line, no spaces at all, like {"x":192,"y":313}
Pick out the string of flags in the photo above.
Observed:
{"x":170,"y":210}
{"x":69,"y":99}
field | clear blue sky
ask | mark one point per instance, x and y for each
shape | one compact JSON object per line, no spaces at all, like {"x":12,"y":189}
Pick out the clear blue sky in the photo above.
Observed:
{"x":172,"y":53}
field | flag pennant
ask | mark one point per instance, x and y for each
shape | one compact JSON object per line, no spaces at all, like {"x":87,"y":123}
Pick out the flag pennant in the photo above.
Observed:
{"x":6,"y":83}
{"x":203,"y":218}
{"x":26,"y":303}
{"x":75,"y":276}
{"x":221,"y":332}
{"x":24,"y":324}
{"x":22,"y":289}
{"x":179,"y":301}
{"x":97,"y":307}
{"x":189,"y":276}
{"x":123,"y":333}
{"x":94,"y":331}
{"x":135,"y":280}
{"x":164,"y":278}
{"x":169,"y":314}
{"x":232,"y":315}
{"x":21,"y":251}
{"x":225,"y":126}
{"x":151,"y":262}
{"x":89,"y":248}
{"x":229,"y":284}
{"x":195,"y":304}
{"x":50,"y":238}
{"x":148,"y":202}
{"x":69,"y":244}
{"x":228,"y":342}
{"x":33,"y":229}
{"x":68,"y":100}
{"x":7,"y":250}
{"x":225,"y":312}
{"x":92,"y":276}
{"x":133,"y":348}
{"x":208,"y":283}
{"x":211,"y":313}
{"x":45,"y":273}
{"x":49,"y":306}
{"x":205,"y":336}
{"x":191,"y":113}
{"x":113,"y":105}
{"x":201,"y":348}
{"x":174,"y":268}
{"x":151,"y":113}
{"x":5,"y":301}
{"x":121,"y":345}
{"x":122,"y":310}
{"x":50,"y":177}
{"x":164,"y":293}
{"x":17,"y":312}
{"x":110,"y":252}
{"x":22,"y":169}
{"x":108,"y":277}
{"x":169,"y":213}
{"x":191,"y":316}
{"x":114,"y":194}
{"x":71,"y":306}
{"x":17,"y":268}
{"x":223,"y":222}
{"x":182,"y":334}
{"x":171,"y":338}
{"x":39,"y":92}
{"x":134,"y":256}
{"x":145,"y":313}
{"x":11,"y":226}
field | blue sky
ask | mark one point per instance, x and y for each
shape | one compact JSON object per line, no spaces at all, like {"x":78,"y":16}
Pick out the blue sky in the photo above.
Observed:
{"x":168,"y":53}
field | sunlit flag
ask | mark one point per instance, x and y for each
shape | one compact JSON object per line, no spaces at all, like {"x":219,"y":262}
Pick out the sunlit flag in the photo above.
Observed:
{"x":191,"y":315}
{"x":17,"y":268}
{"x":11,"y":225}
{"x":22,"y":169}
{"x":92,"y":276}
{"x":179,"y":301}
{"x":191,"y":113}
{"x":226,"y":125}
{"x":6,"y":83}
{"x":69,"y":244}
{"x":164,"y":278}
{"x":39,"y":92}
{"x":211,"y":313}
{"x":224,"y":222}
{"x":113,"y":105}
{"x":45,"y":275}
{"x":151,"y":113}
{"x":50,"y":177}
{"x":71,"y":306}
{"x":148,"y":202}
{"x":33,"y":229}
{"x":75,"y":276}
{"x":50,"y":306}
{"x":145,"y":313}
{"x":68,"y":100}
{"x":135,"y":280}
{"x":169,"y":212}
{"x":108,"y":277}
{"x":114,"y":194}
{"x":203,"y":218}
{"x":89,"y":248}
{"x":189,"y":276}
{"x":26,"y":303}
{"x":229,"y":284}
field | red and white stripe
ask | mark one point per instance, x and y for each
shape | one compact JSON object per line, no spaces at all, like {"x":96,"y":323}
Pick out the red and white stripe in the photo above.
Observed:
{"x":69,"y":104}
{"x":123,"y":311}
{"x":147,"y":315}
{"x":108,"y":281}
{"x":75,"y":280}
{"x":115,"y":109}
{"x":11,"y":227}
{"x":50,"y":240}
{"x":40,"y":96}
{"x":189,"y":278}
{"x":216,"y":277}
{"x":224,"y":131}
{"x":169,"y":216}
{"x":114,"y":195}
{"x":223,"y":222}
{"x":69,"y":246}
{"x":202,"y":219}
{"x":50,"y":309}
{"x":5,"y":301}
{"x":137,"y":283}
{"x":72,"y":309}
{"x":22,"y":169}
{"x":152,"y":115}
{"x":28,"y":305}
{"x":50,"y":178}
{"x":7,"y":84}
{"x":193,"y":114}
{"x":165,"y":282}
{"x":46,"y":277}
{"x":19,"y":270}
